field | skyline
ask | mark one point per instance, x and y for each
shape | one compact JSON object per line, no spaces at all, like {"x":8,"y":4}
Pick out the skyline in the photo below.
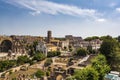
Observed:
{"x":65,"y":17}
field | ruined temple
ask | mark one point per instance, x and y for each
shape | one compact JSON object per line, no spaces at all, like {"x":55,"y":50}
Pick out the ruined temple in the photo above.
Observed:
{"x":16,"y":44}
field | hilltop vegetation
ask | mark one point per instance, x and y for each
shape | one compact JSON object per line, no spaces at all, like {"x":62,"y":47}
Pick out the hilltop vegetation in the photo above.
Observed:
{"x":110,"y":48}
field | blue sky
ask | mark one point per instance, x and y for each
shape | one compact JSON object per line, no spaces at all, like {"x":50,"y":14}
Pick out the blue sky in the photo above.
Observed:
{"x":76,"y":17}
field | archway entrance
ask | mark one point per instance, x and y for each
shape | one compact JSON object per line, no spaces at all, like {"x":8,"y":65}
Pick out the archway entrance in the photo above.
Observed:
{"x":5,"y":46}
{"x":59,"y":77}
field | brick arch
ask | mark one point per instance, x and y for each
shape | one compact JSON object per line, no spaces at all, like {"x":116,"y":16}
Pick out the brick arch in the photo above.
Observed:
{"x":5,"y":38}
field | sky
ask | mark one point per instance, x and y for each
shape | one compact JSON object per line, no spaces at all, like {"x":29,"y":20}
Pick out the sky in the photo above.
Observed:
{"x":63,"y":17}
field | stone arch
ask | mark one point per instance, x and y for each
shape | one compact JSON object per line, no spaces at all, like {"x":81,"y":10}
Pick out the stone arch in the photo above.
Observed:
{"x":5,"y":46}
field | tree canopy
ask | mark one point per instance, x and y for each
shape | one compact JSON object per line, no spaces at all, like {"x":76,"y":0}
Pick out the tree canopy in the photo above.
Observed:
{"x":39,"y":74}
{"x":4,"y":65}
{"x":95,"y":71}
{"x":22,"y":60}
{"x":48,"y":62}
{"x":100,"y":65}
{"x":110,"y":48}
{"x":39,"y":56}
{"x":119,"y":38}
{"x":81,"y":52}
{"x":88,"y":73}
{"x":91,"y":38}
{"x":53,"y":53}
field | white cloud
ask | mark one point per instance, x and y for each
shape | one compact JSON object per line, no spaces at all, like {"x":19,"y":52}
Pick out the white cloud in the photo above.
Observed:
{"x":113,"y":4}
{"x":48,"y":7}
{"x":118,"y":9}
{"x":101,"y":20}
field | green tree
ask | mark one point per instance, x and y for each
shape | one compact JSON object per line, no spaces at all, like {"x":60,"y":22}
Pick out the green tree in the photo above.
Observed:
{"x":70,"y":78}
{"x":88,"y":73}
{"x":91,"y":38}
{"x":115,"y":60}
{"x":118,"y":38}
{"x":4,"y":65}
{"x":12,"y":63}
{"x":39,"y":56}
{"x":100,"y":65}
{"x":108,"y":48}
{"x":81,"y":52}
{"x":108,"y":37}
{"x":53,"y":53}
{"x":30,"y":49}
{"x":90,"y":50}
{"x":31,"y":62}
{"x":22,"y":60}
{"x":47,"y":73}
{"x":48,"y":62}
{"x":111,"y":49}
{"x":39,"y":74}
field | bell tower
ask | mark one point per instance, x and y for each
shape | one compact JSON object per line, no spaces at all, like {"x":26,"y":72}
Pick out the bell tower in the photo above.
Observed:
{"x":49,"y":36}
